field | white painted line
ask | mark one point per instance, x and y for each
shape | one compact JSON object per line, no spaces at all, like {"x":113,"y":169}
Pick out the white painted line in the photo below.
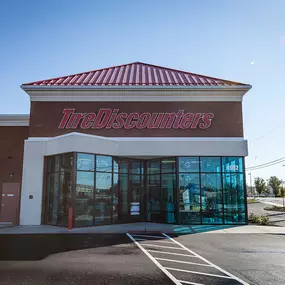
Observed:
{"x":155,"y":261}
{"x":141,"y":239}
{"x":148,"y":236}
{"x":159,"y":241}
{"x":192,"y":283}
{"x":200,"y":273}
{"x":207,"y":261}
{"x":165,"y":252}
{"x":162,"y":246}
{"x":180,"y":261}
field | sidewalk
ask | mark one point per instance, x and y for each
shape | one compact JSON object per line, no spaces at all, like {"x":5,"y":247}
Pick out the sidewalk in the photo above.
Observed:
{"x":144,"y":227}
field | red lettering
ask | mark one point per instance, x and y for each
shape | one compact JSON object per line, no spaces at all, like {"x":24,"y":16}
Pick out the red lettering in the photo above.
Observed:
{"x":186,"y":121}
{"x":120,"y":121}
{"x":112,"y":119}
{"x":79,"y":117}
{"x":66,"y":115}
{"x":102,"y":118}
{"x":155,"y":120}
{"x":70,"y":121}
{"x":88,"y":121}
{"x":144,"y":120}
{"x":196,"y":120}
{"x":129,"y":124}
{"x":167,"y":121}
{"x":207,"y":121}
{"x":178,"y":118}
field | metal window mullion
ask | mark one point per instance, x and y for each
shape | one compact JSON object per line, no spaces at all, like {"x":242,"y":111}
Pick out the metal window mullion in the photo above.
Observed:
{"x":94,"y":188}
{"x":244,"y":189}
{"x":222,"y":184}
{"x":200,"y":182}
{"x":112,"y":190}
{"x":178,"y":217}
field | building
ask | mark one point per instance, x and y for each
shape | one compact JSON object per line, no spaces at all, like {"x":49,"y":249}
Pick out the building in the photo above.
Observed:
{"x":129,"y":143}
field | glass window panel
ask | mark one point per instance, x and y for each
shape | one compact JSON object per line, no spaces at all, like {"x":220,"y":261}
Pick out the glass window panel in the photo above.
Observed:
{"x":212,"y":204}
{"x":234,"y":199}
{"x":54,"y":163}
{"x":168,"y":195}
{"x":65,"y":197}
{"x":103,"y":198}
{"x":124,"y":185}
{"x":154,"y":198}
{"x":153,"y":166}
{"x":115,"y":166}
{"x":52,"y":199}
{"x":189,"y":193}
{"x":84,"y":209}
{"x":135,"y":167}
{"x":188,"y":164}
{"x":85,"y":161}
{"x":66,"y":162}
{"x":115,"y":197}
{"x":103,"y":163}
{"x":168,"y":165}
{"x":210,"y":164}
{"x":232,"y":164}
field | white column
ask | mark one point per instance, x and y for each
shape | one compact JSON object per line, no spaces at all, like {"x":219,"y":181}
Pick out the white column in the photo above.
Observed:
{"x":32,"y":183}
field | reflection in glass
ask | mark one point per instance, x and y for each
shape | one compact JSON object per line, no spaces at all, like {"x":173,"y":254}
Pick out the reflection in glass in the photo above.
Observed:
{"x":212,"y":204}
{"x":115,"y":197}
{"x":168,"y":197}
{"x":234,"y":200}
{"x":188,"y":164}
{"x":232,"y":164}
{"x":189,"y":192}
{"x":168,"y":165}
{"x":210,"y":164}
{"x":154,"y":198}
{"x":65,"y":197}
{"x":85,"y":162}
{"x":135,"y":167}
{"x":66,"y":162}
{"x":52,"y":198}
{"x":103,"y":163}
{"x":103,"y":198}
{"x":153,"y":166}
{"x":84,"y":198}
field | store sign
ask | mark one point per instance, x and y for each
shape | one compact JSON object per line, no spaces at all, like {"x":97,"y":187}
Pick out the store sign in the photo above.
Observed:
{"x":113,"y":119}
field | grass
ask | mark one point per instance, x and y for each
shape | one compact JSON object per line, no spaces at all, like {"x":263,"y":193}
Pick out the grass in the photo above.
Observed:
{"x":249,"y":201}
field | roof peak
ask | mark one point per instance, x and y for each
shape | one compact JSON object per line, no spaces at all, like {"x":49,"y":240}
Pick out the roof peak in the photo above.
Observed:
{"x":135,"y":73}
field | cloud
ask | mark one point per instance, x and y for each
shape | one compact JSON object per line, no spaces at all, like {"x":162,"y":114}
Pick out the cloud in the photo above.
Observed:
{"x":282,"y":40}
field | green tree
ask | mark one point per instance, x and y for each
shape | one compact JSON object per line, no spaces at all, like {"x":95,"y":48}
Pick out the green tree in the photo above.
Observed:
{"x":260,"y":185}
{"x":282,"y":192}
{"x":275,"y":183}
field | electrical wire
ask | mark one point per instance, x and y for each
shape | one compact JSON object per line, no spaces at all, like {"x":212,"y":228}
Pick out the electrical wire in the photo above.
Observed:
{"x":270,"y":163}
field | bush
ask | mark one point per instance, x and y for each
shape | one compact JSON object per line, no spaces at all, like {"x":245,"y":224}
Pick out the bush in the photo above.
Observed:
{"x":259,"y":220}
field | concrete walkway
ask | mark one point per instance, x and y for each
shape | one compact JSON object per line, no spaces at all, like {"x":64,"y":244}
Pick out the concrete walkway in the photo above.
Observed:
{"x":144,"y":227}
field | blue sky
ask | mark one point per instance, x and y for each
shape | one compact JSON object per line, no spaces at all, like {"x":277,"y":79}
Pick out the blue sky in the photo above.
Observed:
{"x":44,"y":39}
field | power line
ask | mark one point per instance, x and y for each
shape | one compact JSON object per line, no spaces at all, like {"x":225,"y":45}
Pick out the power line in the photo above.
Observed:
{"x":267,"y":164}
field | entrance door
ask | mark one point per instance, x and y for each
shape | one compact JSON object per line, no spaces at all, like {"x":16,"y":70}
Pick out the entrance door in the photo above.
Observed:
{"x":10,"y":203}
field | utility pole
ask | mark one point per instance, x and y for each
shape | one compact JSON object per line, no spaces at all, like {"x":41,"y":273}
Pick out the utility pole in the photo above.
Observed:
{"x":251,"y":184}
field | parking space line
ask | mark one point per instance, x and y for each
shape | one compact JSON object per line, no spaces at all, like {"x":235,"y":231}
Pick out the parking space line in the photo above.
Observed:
{"x":180,"y":261}
{"x":207,"y":261}
{"x":162,"y":246}
{"x":201,"y":273}
{"x":158,"y":241}
{"x":137,"y":235}
{"x":192,"y":283}
{"x":165,"y":252}
{"x":165,"y":271}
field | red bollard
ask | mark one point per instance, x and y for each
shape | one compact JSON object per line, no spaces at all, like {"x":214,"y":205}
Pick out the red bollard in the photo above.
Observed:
{"x":70,"y":218}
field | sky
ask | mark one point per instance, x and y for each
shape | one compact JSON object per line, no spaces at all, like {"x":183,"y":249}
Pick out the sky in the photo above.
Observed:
{"x":237,"y":40}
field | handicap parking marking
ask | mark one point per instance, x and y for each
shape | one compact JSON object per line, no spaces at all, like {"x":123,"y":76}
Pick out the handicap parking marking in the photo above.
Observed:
{"x":160,"y":255}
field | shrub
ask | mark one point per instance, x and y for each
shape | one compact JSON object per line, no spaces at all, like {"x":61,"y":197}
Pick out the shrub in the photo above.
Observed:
{"x":259,"y":220}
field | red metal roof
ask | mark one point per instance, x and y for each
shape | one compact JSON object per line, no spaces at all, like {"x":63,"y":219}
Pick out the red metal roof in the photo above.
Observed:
{"x":133,"y":74}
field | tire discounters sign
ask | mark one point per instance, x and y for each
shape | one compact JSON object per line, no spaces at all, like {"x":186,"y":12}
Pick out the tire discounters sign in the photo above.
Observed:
{"x":114,"y":119}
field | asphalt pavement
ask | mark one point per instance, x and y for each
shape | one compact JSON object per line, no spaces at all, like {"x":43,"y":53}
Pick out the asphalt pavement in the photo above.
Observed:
{"x":201,"y":258}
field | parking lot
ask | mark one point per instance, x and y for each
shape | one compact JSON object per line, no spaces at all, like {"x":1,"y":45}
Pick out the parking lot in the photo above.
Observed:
{"x":143,"y":258}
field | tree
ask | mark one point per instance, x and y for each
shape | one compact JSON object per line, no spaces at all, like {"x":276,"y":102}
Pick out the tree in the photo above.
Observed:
{"x":275,"y":183}
{"x":282,"y":192}
{"x":260,"y":185}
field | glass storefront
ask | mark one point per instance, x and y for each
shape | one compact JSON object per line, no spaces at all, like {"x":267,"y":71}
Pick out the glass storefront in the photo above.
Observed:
{"x":105,"y":190}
